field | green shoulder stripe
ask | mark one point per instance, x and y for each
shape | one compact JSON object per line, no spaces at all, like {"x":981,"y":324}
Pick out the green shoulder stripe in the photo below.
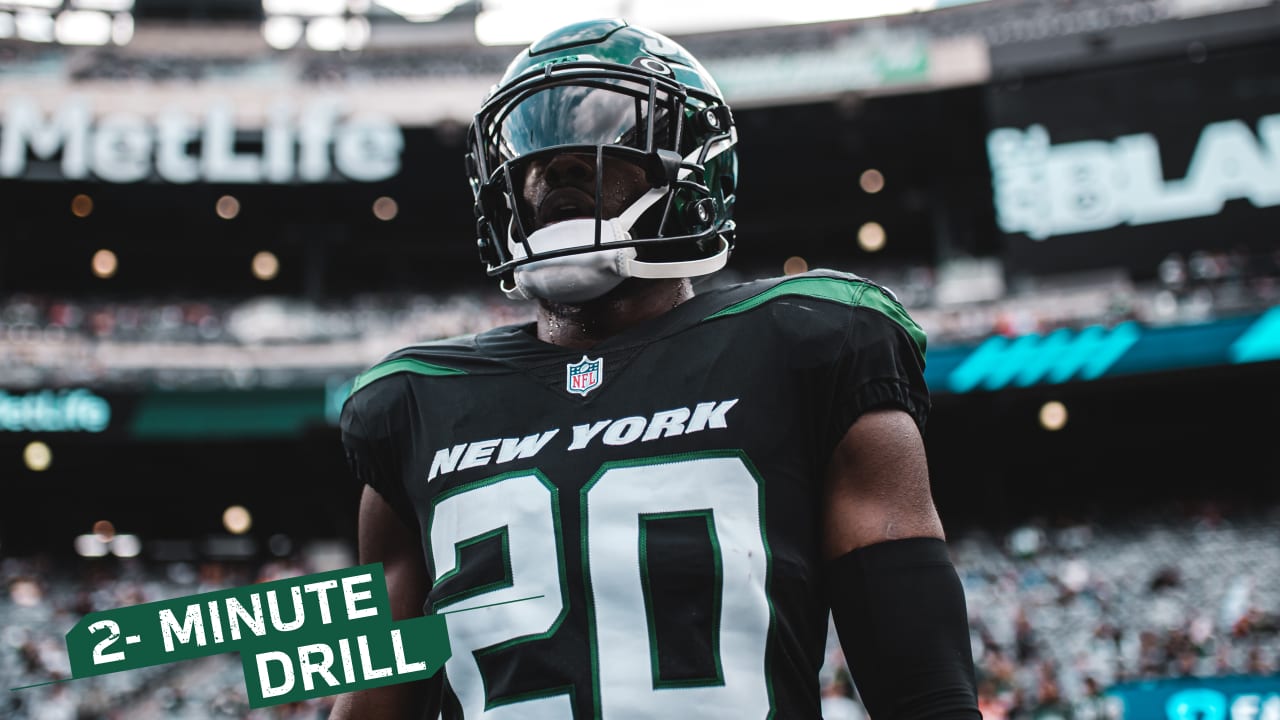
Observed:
{"x":377,"y":372}
{"x":851,"y":293}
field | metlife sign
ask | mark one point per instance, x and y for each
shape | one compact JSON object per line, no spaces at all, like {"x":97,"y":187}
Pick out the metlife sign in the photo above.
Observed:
{"x":50,"y":411}
{"x":318,"y":142}
{"x":1123,"y":166}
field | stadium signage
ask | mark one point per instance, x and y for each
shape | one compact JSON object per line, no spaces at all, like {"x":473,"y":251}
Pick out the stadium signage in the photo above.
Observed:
{"x":298,"y":638}
{"x":76,"y":410}
{"x":1046,"y":190}
{"x":1237,"y":697}
{"x":314,"y":145}
{"x":1210,"y":703}
{"x":1060,"y":356}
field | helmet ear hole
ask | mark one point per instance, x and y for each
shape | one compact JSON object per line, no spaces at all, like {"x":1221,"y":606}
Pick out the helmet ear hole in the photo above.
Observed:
{"x":715,"y":120}
{"x":699,"y":213}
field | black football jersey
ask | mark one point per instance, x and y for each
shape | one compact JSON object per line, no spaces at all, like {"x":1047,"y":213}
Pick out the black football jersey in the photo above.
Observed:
{"x":634,"y":531}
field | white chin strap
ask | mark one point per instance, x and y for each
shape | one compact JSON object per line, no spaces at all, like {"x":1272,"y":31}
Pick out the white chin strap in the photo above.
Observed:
{"x":586,"y":276}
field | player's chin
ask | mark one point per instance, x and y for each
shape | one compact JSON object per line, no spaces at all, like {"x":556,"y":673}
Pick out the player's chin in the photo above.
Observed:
{"x":623,"y":291}
{"x":554,"y":219}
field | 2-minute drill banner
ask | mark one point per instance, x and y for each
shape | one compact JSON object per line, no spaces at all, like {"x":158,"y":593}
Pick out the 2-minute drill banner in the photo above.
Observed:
{"x":298,"y":638}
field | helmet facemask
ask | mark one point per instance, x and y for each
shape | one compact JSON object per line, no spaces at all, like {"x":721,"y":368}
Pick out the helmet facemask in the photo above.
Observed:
{"x":604,"y":114}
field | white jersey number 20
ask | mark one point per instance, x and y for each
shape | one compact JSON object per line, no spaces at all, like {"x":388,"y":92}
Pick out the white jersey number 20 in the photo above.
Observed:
{"x":617,"y":505}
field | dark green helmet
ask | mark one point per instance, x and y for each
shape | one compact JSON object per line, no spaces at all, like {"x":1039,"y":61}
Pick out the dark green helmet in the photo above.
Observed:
{"x":609,"y":90}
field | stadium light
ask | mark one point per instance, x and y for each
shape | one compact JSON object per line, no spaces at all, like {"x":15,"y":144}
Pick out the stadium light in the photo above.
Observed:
{"x":122,"y":29}
{"x":90,"y":545}
{"x":511,"y":22}
{"x":37,"y":456}
{"x":814,"y":11}
{"x":265,"y":265}
{"x":81,"y":205}
{"x":105,"y":530}
{"x":77,"y":22}
{"x":327,"y":34}
{"x":358,"y":32}
{"x":104,"y":264}
{"x":126,"y":546}
{"x":385,"y":208}
{"x":795,"y":265}
{"x":1053,"y":415}
{"x":304,"y":8}
{"x":517,"y":22}
{"x":104,"y":5}
{"x":871,"y":181}
{"x":227,"y":207}
{"x":871,"y":237}
{"x":34,"y":26}
{"x":282,"y":32}
{"x":237,"y":520}
{"x":83,"y":27}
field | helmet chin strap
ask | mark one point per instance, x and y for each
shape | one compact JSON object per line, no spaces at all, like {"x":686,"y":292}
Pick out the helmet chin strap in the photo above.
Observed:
{"x":581,"y":232}
{"x":581,"y":276}
{"x":680,"y":269}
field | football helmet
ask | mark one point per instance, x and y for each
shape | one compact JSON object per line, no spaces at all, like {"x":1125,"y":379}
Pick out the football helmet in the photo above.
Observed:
{"x":605,"y":91}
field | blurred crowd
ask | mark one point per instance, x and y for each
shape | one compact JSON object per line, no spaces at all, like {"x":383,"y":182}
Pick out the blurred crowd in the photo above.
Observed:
{"x":45,"y":599}
{"x":1058,"y":615}
{"x":63,"y":341}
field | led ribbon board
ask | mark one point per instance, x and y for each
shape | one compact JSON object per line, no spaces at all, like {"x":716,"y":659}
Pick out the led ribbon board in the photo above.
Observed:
{"x":1095,"y":352}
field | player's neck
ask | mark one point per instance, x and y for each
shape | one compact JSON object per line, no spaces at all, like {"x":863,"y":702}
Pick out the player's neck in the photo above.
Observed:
{"x":585,"y":324}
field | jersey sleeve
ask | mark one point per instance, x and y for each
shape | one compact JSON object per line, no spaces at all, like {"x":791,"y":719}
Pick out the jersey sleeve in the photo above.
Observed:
{"x":881,"y":362}
{"x":373,"y":451}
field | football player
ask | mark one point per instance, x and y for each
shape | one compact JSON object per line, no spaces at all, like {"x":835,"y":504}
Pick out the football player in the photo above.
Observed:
{"x":646,"y":503}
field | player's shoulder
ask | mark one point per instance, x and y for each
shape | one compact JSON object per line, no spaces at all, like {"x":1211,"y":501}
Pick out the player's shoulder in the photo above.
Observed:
{"x":831,"y":286}
{"x":446,"y":358}
{"x":820,"y":293}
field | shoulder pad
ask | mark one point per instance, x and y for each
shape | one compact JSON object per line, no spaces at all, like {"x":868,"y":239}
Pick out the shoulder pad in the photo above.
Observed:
{"x":829,"y":285}
{"x":438,"y":358}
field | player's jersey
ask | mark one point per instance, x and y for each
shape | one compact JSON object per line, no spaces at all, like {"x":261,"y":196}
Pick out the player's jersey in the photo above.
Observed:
{"x":634,"y":531}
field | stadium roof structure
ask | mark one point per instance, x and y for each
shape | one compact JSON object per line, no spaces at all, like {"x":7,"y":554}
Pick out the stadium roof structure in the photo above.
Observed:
{"x":379,"y":52}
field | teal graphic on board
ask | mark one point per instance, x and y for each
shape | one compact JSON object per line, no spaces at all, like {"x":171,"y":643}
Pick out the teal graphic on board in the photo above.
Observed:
{"x":1234,"y":697}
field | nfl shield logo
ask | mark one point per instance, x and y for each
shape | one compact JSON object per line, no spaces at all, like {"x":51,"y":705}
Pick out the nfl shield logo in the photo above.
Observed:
{"x":584,"y":375}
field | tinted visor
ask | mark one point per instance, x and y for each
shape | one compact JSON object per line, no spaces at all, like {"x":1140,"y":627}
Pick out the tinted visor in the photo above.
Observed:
{"x":587,"y":112}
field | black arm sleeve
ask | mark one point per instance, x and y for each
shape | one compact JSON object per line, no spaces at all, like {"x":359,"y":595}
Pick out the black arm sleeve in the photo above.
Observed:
{"x":899,"y":609}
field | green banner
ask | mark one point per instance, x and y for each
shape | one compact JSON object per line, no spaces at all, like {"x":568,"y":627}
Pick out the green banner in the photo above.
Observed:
{"x":298,"y":638}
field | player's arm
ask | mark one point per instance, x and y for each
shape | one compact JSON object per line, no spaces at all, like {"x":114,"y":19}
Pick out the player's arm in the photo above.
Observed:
{"x":897,"y":602}
{"x":383,"y":537}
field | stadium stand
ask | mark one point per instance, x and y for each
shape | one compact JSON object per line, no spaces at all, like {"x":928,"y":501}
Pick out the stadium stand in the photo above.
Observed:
{"x":118,"y":342}
{"x":1058,"y":613}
